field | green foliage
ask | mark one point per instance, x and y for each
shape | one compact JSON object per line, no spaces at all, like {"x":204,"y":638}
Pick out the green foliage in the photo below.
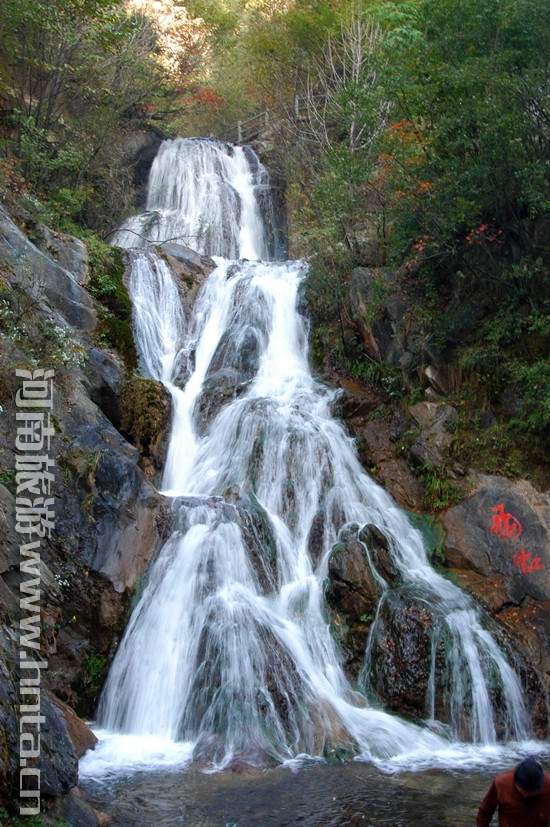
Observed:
{"x":468,"y":155}
{"x":440,"y":493}
{"x":76,"y":80}
{"x":7,"y":820}
{"x":493,"y":450}
{"x":93,"y":672}
{"x":7,"y":478}
{"x":534,"y":380}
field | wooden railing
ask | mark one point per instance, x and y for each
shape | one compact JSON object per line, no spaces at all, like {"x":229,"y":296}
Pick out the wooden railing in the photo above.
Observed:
{"x":251,"y":128}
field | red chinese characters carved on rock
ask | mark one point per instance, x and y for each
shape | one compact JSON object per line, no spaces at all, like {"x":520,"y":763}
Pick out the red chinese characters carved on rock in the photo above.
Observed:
{"x":526,"y":562}
{"x":504,"y":525}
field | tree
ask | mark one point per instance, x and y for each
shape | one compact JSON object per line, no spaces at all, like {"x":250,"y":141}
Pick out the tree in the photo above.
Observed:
{"x":468,"y":151}
{"x":77,"y":77}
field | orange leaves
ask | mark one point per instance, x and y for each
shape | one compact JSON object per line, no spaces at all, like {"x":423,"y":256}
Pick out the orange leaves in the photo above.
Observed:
{"x":424,"y":188}
{"x":484,"y":233}
{"x":205,"y":96}
{"x":405,"y":132}
{"x":422,"y":244}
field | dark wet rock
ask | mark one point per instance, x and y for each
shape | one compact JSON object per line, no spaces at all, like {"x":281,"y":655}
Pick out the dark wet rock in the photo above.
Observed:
{"x":141,"y":149}
{"x":378,"y":546}
{"x":352,"y":593}
{"x":233,"y":365}
{"x":104,"y":373}
{"x":259,"y":539}
{"x":81,"y":736}
{"x":57,"y":762}
{"x":353,"y":402}
{"x":400,"y":661}
{"x":237,"y":351}
{"x":316,"y":536}
{"x":217,"y":390}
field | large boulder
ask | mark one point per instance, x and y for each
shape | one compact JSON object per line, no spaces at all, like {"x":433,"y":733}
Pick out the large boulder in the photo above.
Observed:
{"x":400,"y":655}
{"x":503,"y":529}
{"x":55,"y":290}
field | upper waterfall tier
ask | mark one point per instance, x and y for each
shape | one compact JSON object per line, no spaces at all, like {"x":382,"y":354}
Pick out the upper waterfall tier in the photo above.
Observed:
{"x":207,"y":195}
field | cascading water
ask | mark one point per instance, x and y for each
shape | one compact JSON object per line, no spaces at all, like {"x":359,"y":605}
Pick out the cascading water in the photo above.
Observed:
{"x":229,"y":649}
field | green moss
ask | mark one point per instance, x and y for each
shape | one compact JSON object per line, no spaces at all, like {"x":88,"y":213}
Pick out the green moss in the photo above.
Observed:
{"x":7,"y":478}
{"x":144,"y":413}
{"x":107,"y":286}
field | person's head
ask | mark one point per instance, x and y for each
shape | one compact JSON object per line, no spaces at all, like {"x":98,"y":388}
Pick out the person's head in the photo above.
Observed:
{"x":529,"y":777}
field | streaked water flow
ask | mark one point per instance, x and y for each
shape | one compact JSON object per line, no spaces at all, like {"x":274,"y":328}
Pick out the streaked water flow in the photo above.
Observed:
{"x":229,"y":651}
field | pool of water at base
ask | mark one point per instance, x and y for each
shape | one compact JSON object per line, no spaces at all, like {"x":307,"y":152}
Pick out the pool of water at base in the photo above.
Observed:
{"x":318,"y":795}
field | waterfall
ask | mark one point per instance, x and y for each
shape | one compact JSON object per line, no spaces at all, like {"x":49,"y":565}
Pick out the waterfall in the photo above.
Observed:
{"x":203,"y":194}
{"x":229,"y":649}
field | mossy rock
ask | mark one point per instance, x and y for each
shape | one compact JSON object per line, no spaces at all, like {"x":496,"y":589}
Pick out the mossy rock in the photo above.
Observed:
{"x":145,"y":419}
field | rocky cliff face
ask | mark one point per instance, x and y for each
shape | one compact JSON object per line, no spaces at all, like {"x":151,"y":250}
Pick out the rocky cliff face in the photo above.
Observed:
{"x":109,"y":519}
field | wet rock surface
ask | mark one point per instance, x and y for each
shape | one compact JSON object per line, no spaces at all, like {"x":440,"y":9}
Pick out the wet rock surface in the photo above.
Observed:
{"x":400,"y":655}
{"x":359,"y":568}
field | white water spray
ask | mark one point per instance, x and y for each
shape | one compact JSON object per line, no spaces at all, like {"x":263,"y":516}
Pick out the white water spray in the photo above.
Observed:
{"x":229,"y":649}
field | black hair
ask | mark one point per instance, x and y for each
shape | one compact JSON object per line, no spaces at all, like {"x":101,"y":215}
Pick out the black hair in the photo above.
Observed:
{"x":529,"y":775}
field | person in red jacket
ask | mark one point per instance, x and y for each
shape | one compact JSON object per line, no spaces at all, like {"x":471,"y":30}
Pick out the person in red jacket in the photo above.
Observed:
{"x":521,"y":795}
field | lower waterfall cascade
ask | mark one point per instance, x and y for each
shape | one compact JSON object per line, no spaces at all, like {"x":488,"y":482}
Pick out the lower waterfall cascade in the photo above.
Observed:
{"x":228,"y":655}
